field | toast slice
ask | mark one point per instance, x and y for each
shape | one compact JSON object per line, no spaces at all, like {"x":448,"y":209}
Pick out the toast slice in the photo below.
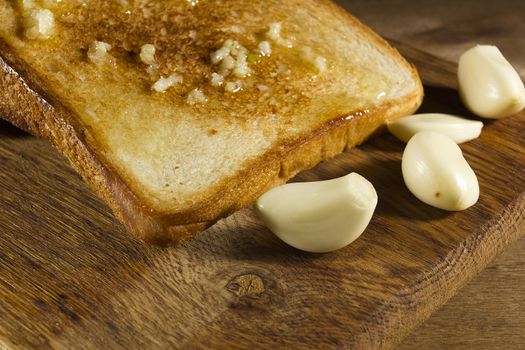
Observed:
{"x":227,"y":100}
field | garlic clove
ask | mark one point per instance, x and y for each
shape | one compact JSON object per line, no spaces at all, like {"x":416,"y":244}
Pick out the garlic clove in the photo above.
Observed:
{"x":319,"y":216}
{"x":458,"y":129}
{"x":488,"y":84}
{"x":436,"y":172}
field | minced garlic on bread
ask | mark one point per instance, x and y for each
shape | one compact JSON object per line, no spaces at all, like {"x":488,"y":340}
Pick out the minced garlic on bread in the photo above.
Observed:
{"x":167,"y":138}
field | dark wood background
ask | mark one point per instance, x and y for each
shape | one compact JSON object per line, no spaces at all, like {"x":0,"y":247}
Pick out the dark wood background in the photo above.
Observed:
{"x":490,"y":312}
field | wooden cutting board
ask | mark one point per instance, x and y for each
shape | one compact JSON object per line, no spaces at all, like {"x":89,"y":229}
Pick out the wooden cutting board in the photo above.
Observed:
{"x":71,"y":277}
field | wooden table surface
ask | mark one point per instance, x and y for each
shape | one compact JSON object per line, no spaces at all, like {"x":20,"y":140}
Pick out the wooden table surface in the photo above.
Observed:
{"x":489,"y":313}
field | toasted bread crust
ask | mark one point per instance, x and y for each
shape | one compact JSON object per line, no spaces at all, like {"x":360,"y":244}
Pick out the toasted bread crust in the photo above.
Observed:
{"x":23,"y":102}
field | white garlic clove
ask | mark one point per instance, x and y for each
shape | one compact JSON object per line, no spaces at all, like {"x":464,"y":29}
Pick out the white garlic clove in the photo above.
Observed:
{"x":321,"y":216}
{"x":458,"y":129}
{"x":436,"y":172}
{"x":488,"y":84}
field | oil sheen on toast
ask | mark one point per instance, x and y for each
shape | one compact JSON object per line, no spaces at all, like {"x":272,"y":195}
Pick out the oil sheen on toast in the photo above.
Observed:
{"x":172,"y":163}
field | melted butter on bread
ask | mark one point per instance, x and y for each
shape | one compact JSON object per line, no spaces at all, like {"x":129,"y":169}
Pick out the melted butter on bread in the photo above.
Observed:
{"x":153,"y":139}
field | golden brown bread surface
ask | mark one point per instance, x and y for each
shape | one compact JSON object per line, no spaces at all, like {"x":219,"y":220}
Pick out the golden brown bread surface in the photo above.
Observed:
{"x":167,"y":168}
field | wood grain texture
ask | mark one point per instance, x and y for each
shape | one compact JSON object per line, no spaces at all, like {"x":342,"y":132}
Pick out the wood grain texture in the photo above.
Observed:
{"x":488,"y":313}
{"x":485,"y":315}
{"x":70,"y":277}
{"x":447,"y":28}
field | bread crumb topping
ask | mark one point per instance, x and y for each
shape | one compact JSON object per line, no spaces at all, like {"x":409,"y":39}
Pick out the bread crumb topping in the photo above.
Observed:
{"x":38,"y":23}
{"x":274,"y":33}
{"x":98,"y":51}
{"x":51,"y":3}
{"x":265,"y":48}
{"x":317,"y":61}
{"x":196,"y":96}
{"x":164,"y":84}
{"x":233,"y":86}
{"x":320,"y":63}
{"x":217,"y":79}
{"x":232,"y":59}
{"x":236,"y":29}
{"x":147,"y":54}
{"x":27,"y":4}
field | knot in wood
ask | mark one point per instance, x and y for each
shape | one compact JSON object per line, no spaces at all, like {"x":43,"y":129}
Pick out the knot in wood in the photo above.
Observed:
{"x":249,"y":285}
